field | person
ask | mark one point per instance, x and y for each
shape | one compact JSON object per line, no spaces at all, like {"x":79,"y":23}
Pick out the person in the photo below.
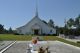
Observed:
{"x":35,"y":40}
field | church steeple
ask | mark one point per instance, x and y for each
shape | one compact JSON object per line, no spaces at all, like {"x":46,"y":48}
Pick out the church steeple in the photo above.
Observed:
{"x":36,"y":13}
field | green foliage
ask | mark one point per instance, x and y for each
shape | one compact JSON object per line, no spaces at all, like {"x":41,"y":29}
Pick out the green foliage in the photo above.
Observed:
{"x":67,"y":29}
{"x":4,"y":31}
{"x":61,"y":30}
{"x":78,"y":41}
{"x":10,"y":31}
{"x":70,"y":22}
{"x":51,"y":23}
{"x":77,"y":21}
{"x":1,"y":28}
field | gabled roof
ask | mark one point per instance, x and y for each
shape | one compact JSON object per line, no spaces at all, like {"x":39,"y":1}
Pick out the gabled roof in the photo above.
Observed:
{"x":32,"y":20}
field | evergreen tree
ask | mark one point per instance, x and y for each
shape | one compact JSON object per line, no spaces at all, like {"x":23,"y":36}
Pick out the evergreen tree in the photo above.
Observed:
{"x":1,"y":28}
{"x":10,"y":31}
{"x":51,"y":23}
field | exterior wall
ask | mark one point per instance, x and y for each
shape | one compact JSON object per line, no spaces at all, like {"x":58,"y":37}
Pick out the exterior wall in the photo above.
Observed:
{"x":44,"y":28}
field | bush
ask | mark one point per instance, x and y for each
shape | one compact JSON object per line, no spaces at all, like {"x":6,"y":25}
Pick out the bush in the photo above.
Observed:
{"x":16,"y":34}
{"x":51,"y":35}
{"x":78,"y":41}
{"x":43,"y":34}
{"x":55,"y":35}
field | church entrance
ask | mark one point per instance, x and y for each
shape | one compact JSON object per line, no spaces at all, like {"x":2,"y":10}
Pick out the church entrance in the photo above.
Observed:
{"x":36,"y":31}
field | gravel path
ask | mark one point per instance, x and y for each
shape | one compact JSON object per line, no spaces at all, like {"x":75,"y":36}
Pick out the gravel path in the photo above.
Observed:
{"x":54,"y":47}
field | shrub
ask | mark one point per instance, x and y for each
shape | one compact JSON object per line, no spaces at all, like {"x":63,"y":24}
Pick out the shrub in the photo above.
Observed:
{"x":16,"y":34}
{"x":78,"y":41}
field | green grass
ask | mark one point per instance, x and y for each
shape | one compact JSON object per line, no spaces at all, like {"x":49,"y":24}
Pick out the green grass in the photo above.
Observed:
{"x":29,"y":37}
{"x":14,"y":37}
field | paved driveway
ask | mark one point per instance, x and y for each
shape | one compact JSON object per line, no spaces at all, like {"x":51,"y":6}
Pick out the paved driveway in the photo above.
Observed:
{"x":55,"y":47}
{"x":4,"y":44}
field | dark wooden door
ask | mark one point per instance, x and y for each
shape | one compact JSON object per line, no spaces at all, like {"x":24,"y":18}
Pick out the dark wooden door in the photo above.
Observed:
{"x":36,"y":32}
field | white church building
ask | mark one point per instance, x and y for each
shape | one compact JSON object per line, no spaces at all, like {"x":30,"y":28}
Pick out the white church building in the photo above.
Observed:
{"x":36,"y":26}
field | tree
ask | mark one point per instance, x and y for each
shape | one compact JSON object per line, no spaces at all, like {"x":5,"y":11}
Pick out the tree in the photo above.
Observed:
{"x":51,"y":23}
{"x":70,"y":22}
{"x":57,"y":30}
{"x":1,"y":28}
{"x":77,"y":21}
{"x":10,"y":31}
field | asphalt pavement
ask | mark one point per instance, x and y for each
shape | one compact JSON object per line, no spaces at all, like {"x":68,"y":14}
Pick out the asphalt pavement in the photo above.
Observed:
{"x":54,"y":47}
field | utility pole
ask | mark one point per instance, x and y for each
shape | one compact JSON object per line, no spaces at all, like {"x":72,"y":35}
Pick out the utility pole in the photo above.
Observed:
{"x":65,"y":23}
{"x":65,"y":27}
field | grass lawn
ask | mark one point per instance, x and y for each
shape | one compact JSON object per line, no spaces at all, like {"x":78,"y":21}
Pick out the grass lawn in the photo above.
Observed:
{"x":14,"y":37}
{"x":29,"y":37}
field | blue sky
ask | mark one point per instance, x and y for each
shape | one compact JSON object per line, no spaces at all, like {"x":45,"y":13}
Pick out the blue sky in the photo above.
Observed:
{"x":16,"y":13}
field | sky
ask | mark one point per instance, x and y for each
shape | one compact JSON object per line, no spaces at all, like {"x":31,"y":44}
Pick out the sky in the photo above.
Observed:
{"x":16,"y":13}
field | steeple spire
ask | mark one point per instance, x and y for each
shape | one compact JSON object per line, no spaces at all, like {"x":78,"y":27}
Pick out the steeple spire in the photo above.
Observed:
{"x":36,"y":13}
